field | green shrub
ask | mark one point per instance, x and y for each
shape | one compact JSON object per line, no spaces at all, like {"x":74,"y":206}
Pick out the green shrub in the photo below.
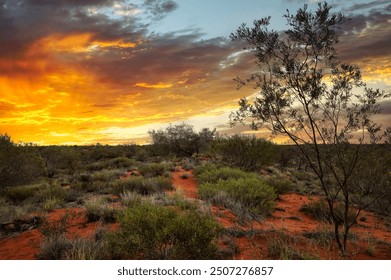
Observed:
{"x":9,"y":212}
{"x":98,"y":210}
{"x":246,"y":152}
{"x":87,"y":249}
{"x":255,"y":195}
{"x":122,"y":162}
{"x":280,"y":185}
{"x":49,"y":191}
{"x":320,"y":210}
{"x":106,"y":175}
{"x":213,"y":174}
{"x":54,"y":248}
{"x":151,"y":231}
{"x":280,"y":249}
{"x":55,"y":229}
{"x":21,"y":193}
{"x":143,"y":186}
{"x":19,"y":163}
{"x":62,"y":248}
{"x":153,"y":169}
{"x":130,"y":198}
{"x":51,"y":203}
{"x":97,"y":165}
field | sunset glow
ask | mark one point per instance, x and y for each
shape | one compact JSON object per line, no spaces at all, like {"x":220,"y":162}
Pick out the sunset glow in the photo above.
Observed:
{"x":107,"y":71}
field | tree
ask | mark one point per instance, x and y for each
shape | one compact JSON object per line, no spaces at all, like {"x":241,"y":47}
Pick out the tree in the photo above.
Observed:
{"x":19,"y":163}
{"x":328,"y":123}
{"x":181,"y":139}
{"x":246,"y":152}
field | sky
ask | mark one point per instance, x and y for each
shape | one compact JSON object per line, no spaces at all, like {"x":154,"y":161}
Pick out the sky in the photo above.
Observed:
{"x":108,"y":71}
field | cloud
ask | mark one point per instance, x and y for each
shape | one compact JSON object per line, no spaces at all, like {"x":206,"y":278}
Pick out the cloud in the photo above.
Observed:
{"x":159,"y":8}
{"x":68,"y":68}
{"x":365,"y":40}
{"x":80,"y":67}
{"x":369,"y":5}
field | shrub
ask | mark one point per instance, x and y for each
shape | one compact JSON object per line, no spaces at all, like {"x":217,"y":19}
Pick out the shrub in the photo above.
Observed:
{"x":280,"y":185}
{"x":49,"y":191}
{"x":55,"y":229}
{"x":143,"y":186}
{"x":248,"y":153}
{"x":19,"y":164}
{"x":153,"y":169}
{"x":320,"y":210}
{"x":129,"y":198}
{"x":256,"y":196}
{"x":9,"y":213}
{"x":122,"y":162}
{"x":98,"y":210}
{"x":106,"y":175}
{"x":280,"y":249}
{"x":151,"y":231}
{"x":213,"y":174}
{"x":87,"y":249}
{"x":51,"y":203}
{"x":63,"y":248}
{"x":54,"y":248}
{"x":21,"y":193}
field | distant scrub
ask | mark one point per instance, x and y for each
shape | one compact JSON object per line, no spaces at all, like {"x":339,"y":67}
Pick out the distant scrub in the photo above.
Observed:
{"x":150,"y":231}
{"x":245,"y":152}
{"x":140,"y":185}
{"x":153,"y":169}
{"x":107,"y":175}
{"x":213,"y":174}
{"x":19,"y":163}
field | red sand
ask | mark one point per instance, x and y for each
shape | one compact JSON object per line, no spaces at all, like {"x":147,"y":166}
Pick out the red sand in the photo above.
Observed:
{"x":26,"y":245}
{"x":287,"y":224}
{"x":188,"y":186}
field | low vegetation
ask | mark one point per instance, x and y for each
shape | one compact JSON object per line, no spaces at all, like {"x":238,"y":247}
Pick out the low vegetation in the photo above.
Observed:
{"x":150,"y":231}
{"x":244,"y":193}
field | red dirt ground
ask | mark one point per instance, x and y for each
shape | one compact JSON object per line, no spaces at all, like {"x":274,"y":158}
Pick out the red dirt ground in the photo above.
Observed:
{"x":287,"y":224}
{"x":26,"y":245}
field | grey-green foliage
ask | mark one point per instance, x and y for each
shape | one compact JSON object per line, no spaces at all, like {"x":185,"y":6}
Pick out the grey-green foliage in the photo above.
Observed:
{"x":181,"y":139}
{"x":140,"y":185}
{"x":153,"y":169}
{"x":150,"y":231}
{"x":319,"y":103}
{"x":242,"y":192}
{"x":246,"y":152}
{"x":19,"y":164}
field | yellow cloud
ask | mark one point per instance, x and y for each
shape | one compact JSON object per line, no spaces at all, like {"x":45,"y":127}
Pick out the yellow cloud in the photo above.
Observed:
{"x":157,"y":86}
{"x":75,"y":43}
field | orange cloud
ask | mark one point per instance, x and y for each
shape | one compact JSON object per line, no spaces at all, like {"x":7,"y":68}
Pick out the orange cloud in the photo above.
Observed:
{"x":75,"y":43}
{"x":156,"y":86}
